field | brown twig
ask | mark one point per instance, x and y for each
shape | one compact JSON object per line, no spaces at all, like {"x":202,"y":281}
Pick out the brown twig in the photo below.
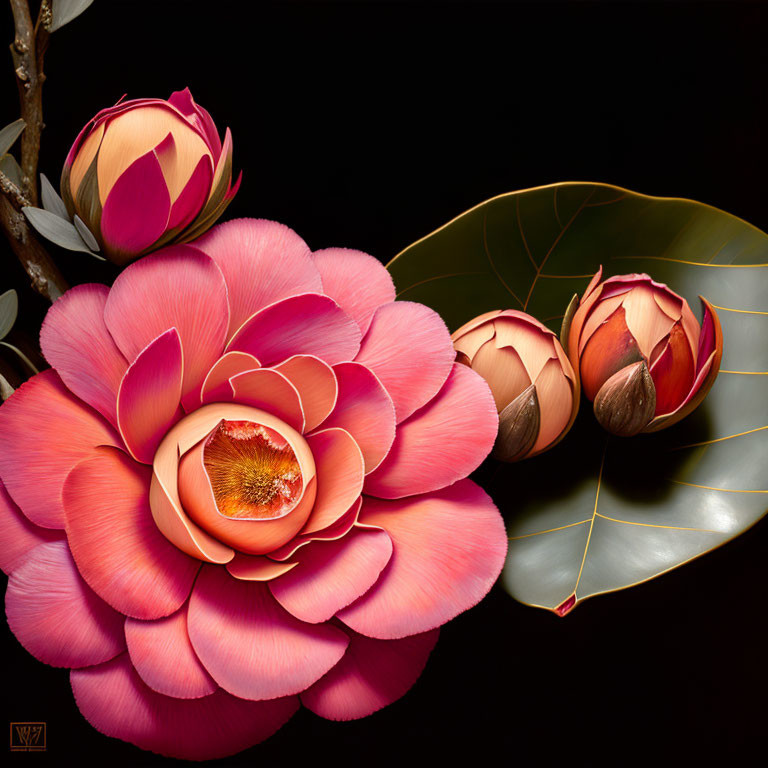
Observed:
{"x":27,"y":50}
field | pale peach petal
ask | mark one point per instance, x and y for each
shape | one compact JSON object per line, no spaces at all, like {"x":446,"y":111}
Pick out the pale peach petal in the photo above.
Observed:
{"x":646,"y":322}
{"x":503,"y":370}
{"x":555,"y":394}
{"x":216,"y":386}
{"x":534,"y":346}
{"x":268,"y":390}
{"x":470,"y":342}
{"x":316,"y":384}
{"x":257,"y":567}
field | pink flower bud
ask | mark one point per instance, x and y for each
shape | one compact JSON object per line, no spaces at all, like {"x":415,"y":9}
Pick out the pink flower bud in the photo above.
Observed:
{"x":148,"y":172}
{"x":532,"y":381}
{"x":643,"y":358}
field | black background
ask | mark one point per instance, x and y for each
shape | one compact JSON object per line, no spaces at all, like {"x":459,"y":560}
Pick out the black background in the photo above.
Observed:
{"x":368,"y":125}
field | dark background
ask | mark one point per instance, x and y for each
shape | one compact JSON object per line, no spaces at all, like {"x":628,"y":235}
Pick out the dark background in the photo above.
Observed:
{"x":368,"y":125}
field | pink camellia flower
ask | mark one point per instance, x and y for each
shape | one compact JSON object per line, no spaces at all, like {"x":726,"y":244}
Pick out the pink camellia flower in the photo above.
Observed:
{"x":533,"y":384}
{"x":243,"y":486}
{"x":645,"y":361}
{"x":148,"y":172}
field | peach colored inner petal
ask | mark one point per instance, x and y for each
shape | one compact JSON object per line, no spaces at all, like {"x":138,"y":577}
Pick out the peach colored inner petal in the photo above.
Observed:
{"x":216,"y":386}
{"x":646,"y":322}
{"x":84,"y":158}
{"x":597,"y":317}
{"x":532,"y":344}
{"x":470,"y":342}
{"x":555,"y":403}
{"x":504,"y":372}
{"x":136,"y":132}
{"x":253,"y":470}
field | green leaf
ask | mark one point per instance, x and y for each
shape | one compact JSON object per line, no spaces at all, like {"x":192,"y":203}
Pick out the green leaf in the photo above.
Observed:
{"x":11,"y":169}
{"x":51,"y":200}
{"x":65,"y":11}
{"x":10,"y":133}
{"x":59,"y":231}
{"x":599,"y":513}
{"x":9,"y":308}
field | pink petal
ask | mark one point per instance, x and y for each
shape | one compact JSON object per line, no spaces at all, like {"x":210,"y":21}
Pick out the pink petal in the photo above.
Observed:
{"x":163,"y":656}
{"x":198,"y":116}
{"x":178,"y":287}
{"x":449,"y":548}
{"x":257,"y":567}
{"x":441,"y":443}
{"x":216,"y":387}
{"x":674,"y":372}
{"x":76,"y":342}
{"x":56,"y":616}
{"x":44,"y":432}
{"x":316,"y":384}
{"x":307,"y":324}
{"x":365,"y":410}
{"x":137,"y":207}
{"x":331,"y":574}
{"x":148,"y":400}
{"x":409,"y":348}
{"x":359,"y":283}
{"x":18,"y":536}
{"x":340,"y":469}
{"x":262,"y":261}
{"x":372,"y":674}
{"x":115,"y":542}
{"x":117,"y":703}
{"x":270,"y":391}
{"x":193,"y":196}
{"x":264,"y":652}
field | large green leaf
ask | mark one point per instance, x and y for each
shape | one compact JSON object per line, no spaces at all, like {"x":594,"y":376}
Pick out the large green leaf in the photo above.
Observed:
{"x":600,"y":513}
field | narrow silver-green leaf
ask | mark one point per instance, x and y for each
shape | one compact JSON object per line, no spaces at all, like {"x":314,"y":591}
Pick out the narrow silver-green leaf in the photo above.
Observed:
{"x":6,"y":390}
{"x":10,"y":167}
{"x":600,"y":513}
{"x":51,"y":200}
{"x":10,"y":133}
{"x":87,"y":236}
{"x":9,"y":309}
{"x":54,"y":228}
{"x":65,"y":11}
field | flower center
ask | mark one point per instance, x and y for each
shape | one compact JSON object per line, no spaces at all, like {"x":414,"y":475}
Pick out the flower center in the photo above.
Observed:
{"x":254,"y":472}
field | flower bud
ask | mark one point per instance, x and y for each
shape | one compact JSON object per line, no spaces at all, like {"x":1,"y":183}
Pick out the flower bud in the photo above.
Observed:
{"x":146,"y":173}
{"x":643,"y":358}
{"x":532,"y":381}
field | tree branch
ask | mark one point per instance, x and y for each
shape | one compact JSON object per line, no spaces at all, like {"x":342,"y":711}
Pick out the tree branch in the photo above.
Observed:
{"x":45,"y":275}
{"x":27,"y":50}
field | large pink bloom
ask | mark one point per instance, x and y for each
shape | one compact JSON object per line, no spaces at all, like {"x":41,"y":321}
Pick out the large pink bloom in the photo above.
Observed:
{"x":241,"y":487}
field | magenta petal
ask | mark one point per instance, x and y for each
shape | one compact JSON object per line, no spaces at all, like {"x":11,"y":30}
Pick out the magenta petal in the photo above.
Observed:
{"x":178,"y":287}
{"x":358,"y":282}
{"x":409,"y":348}
{"x":137,"y":207}
{"x":441,"y":443}
{"x":194,"y":195}
{"x":449,"y":549}
{"x":117,"y":547}
{"x":115,"y":701}
{"x":76,"y":342}
{"x":307,"y":324}
{"x":262,"y":262}
{"x":372,"y":674}
{"x":56,"y":616}
{"x":706,"y":340}
{"x":163,"y":656}
{"x":265,"y":652}
{"x":148,"y":401}
{"x":365,"y":410}
{"x":331,"y":574}
{"x":42,"y":412}
{"x":19,"y":536}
